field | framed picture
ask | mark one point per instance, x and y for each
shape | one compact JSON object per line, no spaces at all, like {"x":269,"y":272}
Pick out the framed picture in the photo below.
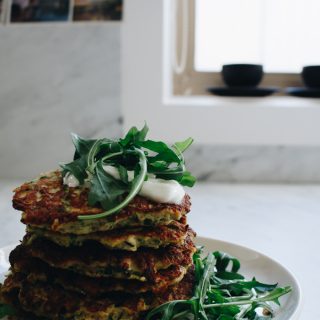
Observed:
{"x":39,"y":10}
{"x":97,"y":10}
{"x":1,"y":11}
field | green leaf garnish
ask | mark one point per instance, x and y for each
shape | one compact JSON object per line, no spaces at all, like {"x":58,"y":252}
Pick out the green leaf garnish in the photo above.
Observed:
{"x":76,"y":168}
{"x":82,"y":146}
{"x":183,"y":145}
{"x":132,"y":153}
{"x":230,"y":297}
{"x":135,"y":187}
{"x":6,"y":310}
{"x":105,"y":189}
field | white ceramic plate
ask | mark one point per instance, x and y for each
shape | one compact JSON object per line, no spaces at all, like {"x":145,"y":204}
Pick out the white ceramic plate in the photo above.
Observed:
{"x":253,"y":263}
{"x":265,"y":269}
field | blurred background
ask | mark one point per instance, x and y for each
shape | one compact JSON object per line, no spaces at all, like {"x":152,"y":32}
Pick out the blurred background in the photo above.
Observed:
{"x":83,"y":66}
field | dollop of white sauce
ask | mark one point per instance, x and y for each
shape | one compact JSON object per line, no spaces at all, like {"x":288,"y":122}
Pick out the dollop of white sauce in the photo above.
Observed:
{"x":164,"y":191}
{"x":70,"y":180}
{"x":158,"y":190}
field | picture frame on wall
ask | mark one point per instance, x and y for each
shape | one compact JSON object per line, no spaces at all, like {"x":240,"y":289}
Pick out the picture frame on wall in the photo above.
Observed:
{"x":2,"y":11}
{"x":97,"y":10}
{"x":39,"y":11}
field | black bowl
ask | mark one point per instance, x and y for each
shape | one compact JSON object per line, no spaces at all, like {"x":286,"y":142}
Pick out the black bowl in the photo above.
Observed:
{"x":311,"y":76}
{"x":242,"y":75}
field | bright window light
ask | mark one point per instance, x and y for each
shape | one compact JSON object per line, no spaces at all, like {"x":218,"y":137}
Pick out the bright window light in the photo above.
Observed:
{"x":283,"y":35}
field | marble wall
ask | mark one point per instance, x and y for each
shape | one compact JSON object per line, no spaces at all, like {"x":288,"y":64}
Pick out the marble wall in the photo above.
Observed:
{"x":59,"y":78}
{"x":54,"y":79}
{"x":270,"y":164}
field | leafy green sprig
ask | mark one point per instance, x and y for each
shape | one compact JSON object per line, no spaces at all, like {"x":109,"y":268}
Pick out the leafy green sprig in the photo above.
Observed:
{"x":222,"y":293}
{"x":132,"y":153}
{"x":6,"y":310}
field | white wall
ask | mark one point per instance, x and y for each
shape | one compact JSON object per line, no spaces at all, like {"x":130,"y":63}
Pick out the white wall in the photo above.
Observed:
{"x":55,"y":79}
{"x":66,"y":77}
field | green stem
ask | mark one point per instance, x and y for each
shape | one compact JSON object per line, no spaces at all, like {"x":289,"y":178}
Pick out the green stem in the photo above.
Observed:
{"x":239,"y":298}
{"x":180,"y":155}
{"x":92,"y":154}
{"x":111,"y":155}
{"x":242,"y":312}
{"x":251,"y":301}
{"x":94,"y":164}
{"x":133,"y":192}
{"x":178,"y":315}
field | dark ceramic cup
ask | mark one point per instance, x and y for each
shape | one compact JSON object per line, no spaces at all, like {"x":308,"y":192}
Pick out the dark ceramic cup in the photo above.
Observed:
{"x":311,"y":76}
{"x":242,"y":75}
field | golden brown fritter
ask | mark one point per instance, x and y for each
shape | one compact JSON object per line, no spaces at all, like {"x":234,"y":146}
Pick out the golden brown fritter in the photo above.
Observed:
{"x":47,"y":203}
{"x":36,"y":270}
{"x":93,"y":259}
{"x":130,"y":239}
{"x":44,"y":299}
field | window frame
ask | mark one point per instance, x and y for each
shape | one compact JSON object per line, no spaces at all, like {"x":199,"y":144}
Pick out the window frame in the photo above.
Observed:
{"x":147,"y":94}
{"x":193,"y":82}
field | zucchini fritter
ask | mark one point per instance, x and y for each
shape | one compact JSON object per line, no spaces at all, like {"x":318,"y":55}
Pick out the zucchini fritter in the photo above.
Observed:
{"x":42,"y":299}
{"x":47,"y":203}
{"x":36,"y":270}
{"x":116,"y":268}
{"x":93,"y":259}
{"x":130,"y":239}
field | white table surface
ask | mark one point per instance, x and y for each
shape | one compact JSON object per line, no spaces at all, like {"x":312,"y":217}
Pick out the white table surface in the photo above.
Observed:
{"x":282,"y":221}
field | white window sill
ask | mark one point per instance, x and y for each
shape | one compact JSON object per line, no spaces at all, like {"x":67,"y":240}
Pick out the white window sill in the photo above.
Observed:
{"x":250,"y":102}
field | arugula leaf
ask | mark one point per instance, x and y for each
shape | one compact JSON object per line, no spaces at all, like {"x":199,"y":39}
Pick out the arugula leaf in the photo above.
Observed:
{"x":6,"y":310}
{"x":105,"y":189}
{"x":225,"y":317}
{"x":274,"y":295}
{"x":76,"y":168}
{"x":224,"y":260}
{"x":135,"y":188}
{"x":161,"y":171}
{"x":178,"y":309}
{"x":187,"y":179}
{"x":215,"y":298}
{"x":132,"y":153}
{"x":123,"y":174}
{"x":134,"y":136}
{"x":237,"y":287}
{"x":165,"y":153}
{"x":202,"y":288}
{"x":183,"y":145}
{"x":226,"y":275}
{"x":82,"y":146}
{"x":208,"y":272}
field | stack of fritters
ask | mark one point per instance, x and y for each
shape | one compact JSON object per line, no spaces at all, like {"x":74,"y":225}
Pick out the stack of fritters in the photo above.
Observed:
{"x":117,"y":267}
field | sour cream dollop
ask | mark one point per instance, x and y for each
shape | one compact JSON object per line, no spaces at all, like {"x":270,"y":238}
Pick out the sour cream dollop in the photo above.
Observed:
{"x":70,"y":180}
{"x":158,"y":190}
{"x":163,"y":191}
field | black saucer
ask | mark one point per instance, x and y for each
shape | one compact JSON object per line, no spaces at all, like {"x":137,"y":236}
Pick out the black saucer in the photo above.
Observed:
{"x":303,"y":92}
{"x":242,"y":91}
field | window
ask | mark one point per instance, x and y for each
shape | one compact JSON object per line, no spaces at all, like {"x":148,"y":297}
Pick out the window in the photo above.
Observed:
{"x":281,"y":35}
{"x":147,"y":92}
